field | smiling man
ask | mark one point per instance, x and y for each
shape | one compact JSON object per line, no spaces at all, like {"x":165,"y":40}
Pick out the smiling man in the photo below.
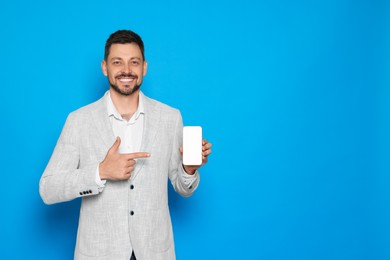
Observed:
{"x":117,"y":154}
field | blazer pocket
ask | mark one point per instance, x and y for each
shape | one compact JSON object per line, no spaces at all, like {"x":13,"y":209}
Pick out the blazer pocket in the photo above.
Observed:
{"x":92,"y":240}
{"x":162,"y":237}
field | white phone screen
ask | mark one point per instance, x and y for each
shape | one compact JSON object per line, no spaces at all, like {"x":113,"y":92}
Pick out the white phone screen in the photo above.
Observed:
{"x":192,"y":145}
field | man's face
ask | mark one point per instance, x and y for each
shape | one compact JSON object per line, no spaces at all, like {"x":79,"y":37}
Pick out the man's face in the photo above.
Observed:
{"x":125,"y":68}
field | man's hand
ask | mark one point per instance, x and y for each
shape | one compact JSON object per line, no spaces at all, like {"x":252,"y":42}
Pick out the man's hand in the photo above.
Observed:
{"x":118,"y":166}
{"x":206,"y":151}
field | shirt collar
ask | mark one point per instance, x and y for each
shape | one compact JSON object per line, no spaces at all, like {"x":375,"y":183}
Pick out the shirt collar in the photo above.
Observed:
{"x":111,"y":109}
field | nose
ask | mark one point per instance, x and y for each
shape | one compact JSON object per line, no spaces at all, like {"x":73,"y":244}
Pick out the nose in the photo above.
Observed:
{"x":127,"y":68}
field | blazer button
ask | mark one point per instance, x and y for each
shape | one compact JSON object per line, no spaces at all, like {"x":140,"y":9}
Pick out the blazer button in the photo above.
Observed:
{"x":81,"y":193}
{"x":84,"y":192}
{"x":131,"y":186}
{"x":90,"y":191}
{"x":132,"y":213}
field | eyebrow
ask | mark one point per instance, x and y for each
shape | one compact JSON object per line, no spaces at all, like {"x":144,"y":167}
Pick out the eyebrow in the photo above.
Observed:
{"x":132,"y":58}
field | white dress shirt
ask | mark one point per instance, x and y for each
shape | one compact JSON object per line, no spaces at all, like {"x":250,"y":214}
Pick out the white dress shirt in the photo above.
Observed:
{"x":130,"y":131}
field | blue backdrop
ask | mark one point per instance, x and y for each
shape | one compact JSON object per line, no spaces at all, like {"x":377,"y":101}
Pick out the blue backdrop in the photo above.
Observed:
{"x":294,"y":96}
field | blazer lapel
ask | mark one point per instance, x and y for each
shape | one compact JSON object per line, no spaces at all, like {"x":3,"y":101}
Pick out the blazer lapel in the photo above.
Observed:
{"x":102,"y":123}
{"x":151,"y":121}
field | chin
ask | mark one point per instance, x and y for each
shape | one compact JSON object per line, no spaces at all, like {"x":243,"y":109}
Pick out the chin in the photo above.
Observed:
{"x":125,"y":91}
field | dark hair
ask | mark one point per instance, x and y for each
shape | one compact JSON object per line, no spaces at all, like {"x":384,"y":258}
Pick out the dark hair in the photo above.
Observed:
{"x":123,"y":37}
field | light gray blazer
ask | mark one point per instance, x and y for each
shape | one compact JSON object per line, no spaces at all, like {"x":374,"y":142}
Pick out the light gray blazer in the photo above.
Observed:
{"x":125,"y":215}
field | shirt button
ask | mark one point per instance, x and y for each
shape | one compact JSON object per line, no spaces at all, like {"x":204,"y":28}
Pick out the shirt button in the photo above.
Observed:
{"x":132,"y":213}
{"x":131,"y":186}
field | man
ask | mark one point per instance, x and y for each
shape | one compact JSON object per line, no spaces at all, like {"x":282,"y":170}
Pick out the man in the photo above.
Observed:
{"x":117,"y":154}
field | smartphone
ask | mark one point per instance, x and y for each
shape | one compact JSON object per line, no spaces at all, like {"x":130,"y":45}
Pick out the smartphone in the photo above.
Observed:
{"x":192,"y":145}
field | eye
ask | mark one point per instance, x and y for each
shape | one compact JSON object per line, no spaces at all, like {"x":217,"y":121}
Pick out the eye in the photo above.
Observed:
{"x":134,"y":62}
{"x":116,"y":62}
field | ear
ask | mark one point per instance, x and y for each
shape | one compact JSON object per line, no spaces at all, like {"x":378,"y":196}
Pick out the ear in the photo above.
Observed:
{"x":145,"y":67}
{"x":104,"y":68}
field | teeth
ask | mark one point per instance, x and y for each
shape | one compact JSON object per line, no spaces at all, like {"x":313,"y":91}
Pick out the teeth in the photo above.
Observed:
{"x":126,"y":80}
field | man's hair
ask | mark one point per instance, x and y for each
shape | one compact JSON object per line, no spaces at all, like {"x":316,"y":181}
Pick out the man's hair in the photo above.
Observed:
{"x":123,"y":37}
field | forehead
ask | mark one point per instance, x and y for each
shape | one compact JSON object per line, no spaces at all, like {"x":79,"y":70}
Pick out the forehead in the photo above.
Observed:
{"x":125,"y":51}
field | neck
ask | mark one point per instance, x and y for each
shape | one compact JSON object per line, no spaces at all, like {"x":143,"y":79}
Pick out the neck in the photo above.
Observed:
{"x":125,"y":104}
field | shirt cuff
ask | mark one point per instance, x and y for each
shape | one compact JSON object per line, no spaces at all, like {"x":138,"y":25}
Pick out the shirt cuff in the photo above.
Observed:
{"x":189,"y":179}
{"x":99,"y":182}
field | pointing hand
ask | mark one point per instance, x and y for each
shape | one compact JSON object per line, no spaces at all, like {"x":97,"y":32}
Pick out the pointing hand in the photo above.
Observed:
{"x":116,"y":166}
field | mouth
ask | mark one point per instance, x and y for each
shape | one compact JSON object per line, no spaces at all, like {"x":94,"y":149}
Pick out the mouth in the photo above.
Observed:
{"x":126,"y":79}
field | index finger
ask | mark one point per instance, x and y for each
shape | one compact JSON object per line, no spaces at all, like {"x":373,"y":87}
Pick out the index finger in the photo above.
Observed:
{"x":137,"y":155}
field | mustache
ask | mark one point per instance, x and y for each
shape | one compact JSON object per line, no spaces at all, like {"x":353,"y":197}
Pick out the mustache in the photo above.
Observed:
{"x":126,"y":75}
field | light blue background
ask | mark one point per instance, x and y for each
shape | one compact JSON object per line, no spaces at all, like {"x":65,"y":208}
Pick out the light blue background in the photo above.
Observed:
{"x":294,"y":96}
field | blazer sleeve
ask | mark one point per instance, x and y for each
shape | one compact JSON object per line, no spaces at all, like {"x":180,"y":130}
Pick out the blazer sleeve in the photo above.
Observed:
{"x":183,"y":183}
{"x":63,"y":180}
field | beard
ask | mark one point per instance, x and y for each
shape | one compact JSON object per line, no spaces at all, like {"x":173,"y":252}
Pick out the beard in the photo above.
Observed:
{"x":126,"y":91}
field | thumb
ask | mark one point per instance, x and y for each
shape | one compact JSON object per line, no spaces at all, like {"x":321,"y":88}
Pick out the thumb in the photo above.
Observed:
{"x":115,"y":146}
